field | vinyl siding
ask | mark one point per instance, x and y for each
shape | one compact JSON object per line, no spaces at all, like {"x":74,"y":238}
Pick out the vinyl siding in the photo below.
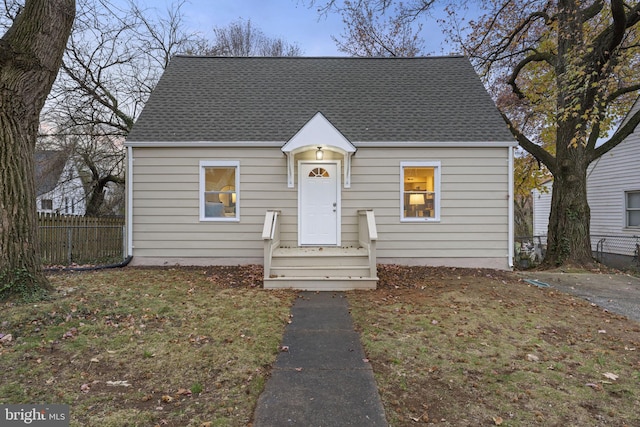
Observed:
{"x":541,"y":209}
{"x":607,"y":180}
{"x":474,"y":203}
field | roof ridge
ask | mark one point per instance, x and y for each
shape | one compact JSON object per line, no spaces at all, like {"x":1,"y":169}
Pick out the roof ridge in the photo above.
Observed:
{"x":181,"y":55}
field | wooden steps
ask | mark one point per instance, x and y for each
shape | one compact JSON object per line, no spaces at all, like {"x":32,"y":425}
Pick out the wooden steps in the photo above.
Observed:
{"x":320,"y":269}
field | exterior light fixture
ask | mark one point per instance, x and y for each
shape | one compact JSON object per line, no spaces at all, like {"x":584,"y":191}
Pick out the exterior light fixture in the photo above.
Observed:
{"x":319,"y":154}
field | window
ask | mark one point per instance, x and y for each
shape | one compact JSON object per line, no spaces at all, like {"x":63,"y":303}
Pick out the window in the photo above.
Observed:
{"x":420,"y":191}
{"x":319,"y":173}
{"x":633,"y":208}
{"x":219,"y":195}
{"x":46,"y":204}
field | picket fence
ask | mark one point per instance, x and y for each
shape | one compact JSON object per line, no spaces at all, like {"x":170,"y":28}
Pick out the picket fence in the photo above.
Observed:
{"x":68,"y":240}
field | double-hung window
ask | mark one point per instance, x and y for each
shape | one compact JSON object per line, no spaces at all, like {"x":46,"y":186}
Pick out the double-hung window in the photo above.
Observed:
{"x":632,"y":202}
{"x":420,"y":191}
{"x":219,"y":190}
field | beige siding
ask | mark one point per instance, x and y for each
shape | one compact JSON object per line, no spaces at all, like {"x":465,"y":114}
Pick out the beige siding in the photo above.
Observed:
{"x":474,"y":204}
{"x":166,"y":222}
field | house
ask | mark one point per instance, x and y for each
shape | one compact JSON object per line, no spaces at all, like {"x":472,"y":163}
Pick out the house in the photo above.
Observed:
{"x":613,"y":192}
{"x":59,"y":188}
{"x":319,"y":168}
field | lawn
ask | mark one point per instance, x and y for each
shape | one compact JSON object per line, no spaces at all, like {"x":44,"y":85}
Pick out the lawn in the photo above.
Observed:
{"x":145,"y":347}
{"x":193,"y":347}
{"x":472,"y":348}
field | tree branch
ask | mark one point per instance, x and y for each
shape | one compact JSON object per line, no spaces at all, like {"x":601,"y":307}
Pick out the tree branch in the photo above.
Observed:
{"x":535,"y":150}
{"x":547,"y":57}
{"x":627,"y":128}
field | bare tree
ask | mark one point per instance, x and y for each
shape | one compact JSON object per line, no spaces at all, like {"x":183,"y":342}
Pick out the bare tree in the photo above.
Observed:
{"x":370,"y":33}
{"x":30,"y":55}
{"x":241,"y":38}
{"x":114,"y":58}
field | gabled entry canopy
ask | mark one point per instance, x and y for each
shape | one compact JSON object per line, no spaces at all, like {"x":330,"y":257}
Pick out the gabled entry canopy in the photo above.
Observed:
{"x":318,"y":133}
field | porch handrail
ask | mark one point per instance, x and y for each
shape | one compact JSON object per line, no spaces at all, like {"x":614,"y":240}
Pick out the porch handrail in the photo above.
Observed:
{"x":368,"y":236}
{"x":271,"y":238}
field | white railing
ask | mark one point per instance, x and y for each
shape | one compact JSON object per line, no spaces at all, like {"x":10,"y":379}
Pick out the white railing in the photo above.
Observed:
{"x":271,"y":238}
{"x":368,"y":236}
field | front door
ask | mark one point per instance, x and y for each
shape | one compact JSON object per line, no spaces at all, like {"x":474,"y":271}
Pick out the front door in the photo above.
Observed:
{"x":319,"y":203}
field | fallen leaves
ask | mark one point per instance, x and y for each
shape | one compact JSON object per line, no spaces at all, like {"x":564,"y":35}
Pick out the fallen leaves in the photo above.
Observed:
{"x":71,"y":333}
{"x":532,"y":358}
{"x":118,"y":383}
{"x":184,"y":392}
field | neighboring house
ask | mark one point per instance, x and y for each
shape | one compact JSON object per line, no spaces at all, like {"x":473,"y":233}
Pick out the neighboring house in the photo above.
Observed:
{"x":320,"y":167}
{"x":59,"y":188}
{"x":541,"y":208}
{"x":613,"y":191}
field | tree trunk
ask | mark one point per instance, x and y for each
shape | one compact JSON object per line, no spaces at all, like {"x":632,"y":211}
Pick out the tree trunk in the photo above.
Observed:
{"x":96,"y":199}
{"x":568,"y":241}
{"x":30,"y":56}
{"x":568,"y":234}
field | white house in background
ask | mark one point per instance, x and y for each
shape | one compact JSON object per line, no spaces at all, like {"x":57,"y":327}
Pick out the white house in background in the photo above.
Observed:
{"x":541,"y":208}
{"x":318,"y":168}
{"x":59,"y":188}
{"x":613,"y":191}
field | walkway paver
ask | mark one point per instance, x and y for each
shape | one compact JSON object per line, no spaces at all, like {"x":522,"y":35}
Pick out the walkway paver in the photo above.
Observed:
{"x":323,"y":379}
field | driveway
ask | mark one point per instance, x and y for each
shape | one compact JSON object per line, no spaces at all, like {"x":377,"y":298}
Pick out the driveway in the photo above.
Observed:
{"x":619,"y":293}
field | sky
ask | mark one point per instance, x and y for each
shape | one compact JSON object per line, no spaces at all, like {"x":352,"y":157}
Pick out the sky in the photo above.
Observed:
{"x":290,"y":20}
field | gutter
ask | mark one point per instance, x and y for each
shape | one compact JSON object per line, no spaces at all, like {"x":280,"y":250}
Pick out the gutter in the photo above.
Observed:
{"x":129,"y":215}
{"x":511,"y":238}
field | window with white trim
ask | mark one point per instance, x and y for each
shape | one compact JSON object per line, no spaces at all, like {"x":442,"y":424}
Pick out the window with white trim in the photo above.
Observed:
{"x":219,"y":190}
{"x":632,"y":201}
{"x":420,"y":191}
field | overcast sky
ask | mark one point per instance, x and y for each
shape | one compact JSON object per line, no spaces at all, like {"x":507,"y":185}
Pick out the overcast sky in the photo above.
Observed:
{"x":288,"y":19}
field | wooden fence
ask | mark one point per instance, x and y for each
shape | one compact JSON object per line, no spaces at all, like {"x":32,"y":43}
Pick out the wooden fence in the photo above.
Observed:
{"x":66,"y":240}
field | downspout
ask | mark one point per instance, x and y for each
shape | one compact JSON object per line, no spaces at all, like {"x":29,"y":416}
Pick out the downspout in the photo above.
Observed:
{"x":511,"y":201}
{"x":129,"y":217}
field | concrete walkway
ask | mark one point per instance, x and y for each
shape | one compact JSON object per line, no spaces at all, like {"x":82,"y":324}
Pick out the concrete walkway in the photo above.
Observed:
{"x":323,"y":378}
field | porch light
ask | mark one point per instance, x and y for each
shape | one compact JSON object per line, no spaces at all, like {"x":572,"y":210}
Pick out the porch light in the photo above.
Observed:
{"x":319,"y":154}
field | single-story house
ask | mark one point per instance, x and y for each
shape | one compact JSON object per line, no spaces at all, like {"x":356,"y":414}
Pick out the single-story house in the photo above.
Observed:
{"x":59,"y":187}
{"x":319,"y":168}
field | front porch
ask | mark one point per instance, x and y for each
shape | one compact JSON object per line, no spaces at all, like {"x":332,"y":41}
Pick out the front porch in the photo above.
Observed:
{"x":320,"y":268}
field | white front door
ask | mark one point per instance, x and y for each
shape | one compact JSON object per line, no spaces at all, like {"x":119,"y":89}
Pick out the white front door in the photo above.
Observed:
{"x":319,"y":203}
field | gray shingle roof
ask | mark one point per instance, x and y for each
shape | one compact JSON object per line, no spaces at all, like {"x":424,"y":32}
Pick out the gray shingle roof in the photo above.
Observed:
{"x":368,"y":99}
{"x":49,"y":165}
